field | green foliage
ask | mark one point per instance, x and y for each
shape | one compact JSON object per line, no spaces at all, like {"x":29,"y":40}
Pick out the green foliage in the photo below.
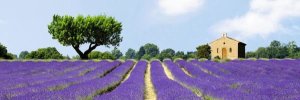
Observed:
{"x":167,"y":53}
{"x":45,"y":53}
{"x":76,"y":57}
{"x":191,"y":55}
{"x":262,"y":52}
{"x":292,"y":49}
{"x":123,"y":58}
{"x":151,"y":49}
{"x":92,"y":30}
{"x":100,"y":55}
{"x":217,"y":57}
{"x":10,"y":56}
{"x":297,"y":55}
{"x":130,"y":54}
{"x":23,"y":54}
{"x":179,"y":54}
{"x":250,"y":54}
{"x":146,"y":57}
{"x":140,"y":53}
{"x":3,"y":50}
{"x":95,"y":55}
{"x":116,"y":53}
{"x":107,"y":55}
{"x":275,"y":50}
{"x":203,"y":51}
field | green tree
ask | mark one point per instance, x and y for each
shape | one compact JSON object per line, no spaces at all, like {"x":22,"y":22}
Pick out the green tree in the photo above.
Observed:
{"x":45,"y":53}
{"x":130,"y":54}
{"x":95,"y":55}
{"x":273,"y":49}
{"x":203,"y":51}
{"x":140,"y":53}
{"x":146,"y":57}
{"x":179,"y":54}
{"x":92,"y":30}
{"x":191,"y":55}
{"x":151,"y":49}
{"x":23,"y":54}
{"x":116,"y":53}
{"x":76,"y":57}
{"x":10,"y":56}
{"x":262,"y":52}
{"x":107,"y":55}
{"x":167,"y":53}
{"x":3,"y":51}
{"x":250,"y":54}
{"x":292,"y":49}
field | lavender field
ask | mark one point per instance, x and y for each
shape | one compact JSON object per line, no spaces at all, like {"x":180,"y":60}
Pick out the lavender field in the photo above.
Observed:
{"x":138,"y":80}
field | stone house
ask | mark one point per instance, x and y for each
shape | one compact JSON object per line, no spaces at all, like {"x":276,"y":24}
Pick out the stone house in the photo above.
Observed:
{"x":227,"y":48}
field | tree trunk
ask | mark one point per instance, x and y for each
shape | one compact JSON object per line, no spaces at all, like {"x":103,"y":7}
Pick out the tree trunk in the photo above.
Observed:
{"x":84,"y":56}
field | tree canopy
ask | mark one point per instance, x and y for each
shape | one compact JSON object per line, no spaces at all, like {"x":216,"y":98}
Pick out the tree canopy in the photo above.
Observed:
{"x":203,"y":51}
{"x":100,"y":55}
{"x":45,"y":53}
{"x":92,"y":30}
{"x":151,"y":49}
{"x":3,"y":50}
{"x":130,"y":54}
{"x":116,"y":53}
{"x":140,"y":53}
{"x":166,"y":53}
{"x":23,"y":54}
{"x":276,"y":50}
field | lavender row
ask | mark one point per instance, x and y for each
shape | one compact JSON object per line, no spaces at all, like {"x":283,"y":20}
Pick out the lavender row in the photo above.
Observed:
{"x":84,"y":90}
{"x":132,"y":88}
{"x":8,"y":84}
{"x":261,"y":79}
{"x":205,"y":85}
{"x":167,"y":89}
{"x":96,"y":71}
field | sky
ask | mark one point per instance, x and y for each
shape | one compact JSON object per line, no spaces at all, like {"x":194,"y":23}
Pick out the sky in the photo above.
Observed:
{"x":178,"y":24}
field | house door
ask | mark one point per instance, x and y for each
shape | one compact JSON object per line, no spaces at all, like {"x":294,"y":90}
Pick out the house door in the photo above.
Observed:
{"x":224,"y":53}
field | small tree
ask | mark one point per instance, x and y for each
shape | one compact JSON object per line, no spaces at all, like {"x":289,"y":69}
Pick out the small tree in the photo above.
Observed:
{"x":45,"y":53}
{"x":107,"y":55}
{"x":130,"y":54}
{"x":92,"y":30}
{"x":250,"y":54}
{"x":3,"y":51}
{"x":95,"y":55}
{"x":167,"y":53}
{"x":151,"y":49}
{"x":23,"y":54}
{"x":116,"y":53}
{"x":203,"y":51}
{"x":179,"y":54}
{"x":140,"y":53}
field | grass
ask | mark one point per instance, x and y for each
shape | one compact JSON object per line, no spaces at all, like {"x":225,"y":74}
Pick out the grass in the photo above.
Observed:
{"x":149,"y":93}
{"x":186,"y":72}
{"x":168,"y":72}
{"x":58,"y":87}
{"x":235,"y":85}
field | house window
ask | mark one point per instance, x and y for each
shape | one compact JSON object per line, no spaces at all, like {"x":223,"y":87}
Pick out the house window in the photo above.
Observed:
{"x":224,"y":43}
{"x":217,"y":50}
{"x":230,"y":50}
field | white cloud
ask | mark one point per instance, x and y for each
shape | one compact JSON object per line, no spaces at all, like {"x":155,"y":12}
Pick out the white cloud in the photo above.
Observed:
{"x":264,"y":18}
{"x":179,"y":7}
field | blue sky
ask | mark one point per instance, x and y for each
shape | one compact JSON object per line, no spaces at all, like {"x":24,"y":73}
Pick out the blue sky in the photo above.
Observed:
{"x":178,"y":24}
